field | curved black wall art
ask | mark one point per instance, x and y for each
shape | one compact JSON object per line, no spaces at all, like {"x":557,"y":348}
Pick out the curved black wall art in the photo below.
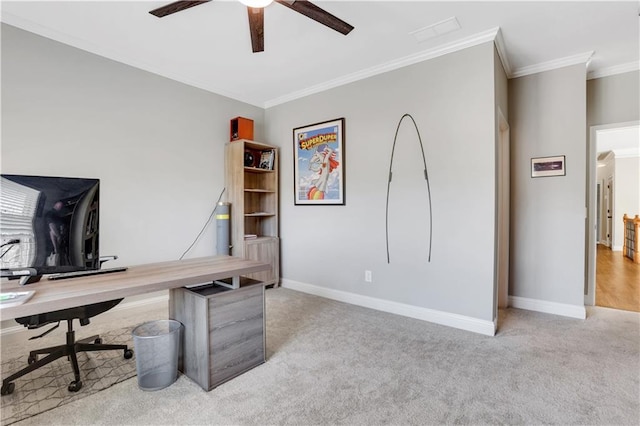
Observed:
{"x":426,"y":177}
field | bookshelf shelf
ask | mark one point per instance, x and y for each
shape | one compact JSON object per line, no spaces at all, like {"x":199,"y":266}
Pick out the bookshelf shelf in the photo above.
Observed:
{"x":257,"y":170}
{"x":259,"y":190}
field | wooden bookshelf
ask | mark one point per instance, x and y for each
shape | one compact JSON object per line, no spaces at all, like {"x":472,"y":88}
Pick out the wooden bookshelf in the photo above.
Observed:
{"x":252,"y":191}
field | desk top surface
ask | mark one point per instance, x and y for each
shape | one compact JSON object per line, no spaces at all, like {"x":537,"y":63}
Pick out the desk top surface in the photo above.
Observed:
{"x":53,"y":295}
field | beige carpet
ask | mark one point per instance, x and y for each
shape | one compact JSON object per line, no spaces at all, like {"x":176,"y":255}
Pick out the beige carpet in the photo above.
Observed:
{"x":46,"y":388}
{"x":329,"y":363}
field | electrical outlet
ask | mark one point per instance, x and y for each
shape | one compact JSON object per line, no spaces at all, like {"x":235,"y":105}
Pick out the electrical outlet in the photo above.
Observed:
{"x":367,"y":276}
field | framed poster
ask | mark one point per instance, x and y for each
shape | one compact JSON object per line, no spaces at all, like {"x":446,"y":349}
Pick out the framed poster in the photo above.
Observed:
{"x":548,"y":166}
{"x":319,"y":163}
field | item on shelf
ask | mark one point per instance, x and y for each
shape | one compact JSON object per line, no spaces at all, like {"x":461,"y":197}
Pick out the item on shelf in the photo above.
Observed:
{"x":266,"y":159}
{"x":241,"y":128}
{"x":249,"y":158}
{"x":250,"y":236}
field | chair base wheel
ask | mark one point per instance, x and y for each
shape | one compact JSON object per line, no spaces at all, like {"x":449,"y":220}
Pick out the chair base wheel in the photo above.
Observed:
{"x":8,"y":388}
{"x":75,"y":386}
{"x":128,"y":354}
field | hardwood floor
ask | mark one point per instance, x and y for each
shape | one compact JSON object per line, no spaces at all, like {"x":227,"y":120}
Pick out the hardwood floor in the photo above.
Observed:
{"x":617,"y":280}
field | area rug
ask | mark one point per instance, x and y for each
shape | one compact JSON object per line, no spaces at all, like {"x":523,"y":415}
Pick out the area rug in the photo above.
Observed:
{"x":46,"y":388}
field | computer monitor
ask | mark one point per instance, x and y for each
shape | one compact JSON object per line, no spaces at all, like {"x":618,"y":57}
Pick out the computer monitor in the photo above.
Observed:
{"x":48,"y":225}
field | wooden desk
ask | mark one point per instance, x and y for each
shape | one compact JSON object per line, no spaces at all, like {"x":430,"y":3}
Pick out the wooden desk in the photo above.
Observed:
{"x":53,"y":295}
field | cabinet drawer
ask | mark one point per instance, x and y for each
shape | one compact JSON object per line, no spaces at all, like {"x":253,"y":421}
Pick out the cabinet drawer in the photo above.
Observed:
{"x":236,"y":348}
{"x":235,"y":306}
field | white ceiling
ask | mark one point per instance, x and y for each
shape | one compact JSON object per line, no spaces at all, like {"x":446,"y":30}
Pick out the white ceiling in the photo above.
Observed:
{"x":208,"y":46}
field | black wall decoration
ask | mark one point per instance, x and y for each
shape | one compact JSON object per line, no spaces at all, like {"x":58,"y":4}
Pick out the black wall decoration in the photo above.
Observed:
{"x":426,"y":177}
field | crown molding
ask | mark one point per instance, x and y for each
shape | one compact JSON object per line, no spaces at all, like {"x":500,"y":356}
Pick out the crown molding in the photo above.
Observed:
{"x":581,"y":58}
{"x":626,"y":153}
{"x":502,"y":53}
{"x":608,"y":157}
{"x":617,"y":154}
{"x":90,"y":47}
{"x":494,"y":34}
{"x":465,"y":43}
{"x":616,"y":69}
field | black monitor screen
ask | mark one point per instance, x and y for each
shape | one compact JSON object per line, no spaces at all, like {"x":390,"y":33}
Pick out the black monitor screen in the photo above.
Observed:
{"x":49,"y":224}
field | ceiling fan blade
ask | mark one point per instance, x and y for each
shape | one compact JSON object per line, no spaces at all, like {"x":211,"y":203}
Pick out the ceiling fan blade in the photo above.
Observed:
{"x":174,"y":7}
{"x":312,"y":11}
{"x":256,"y":28}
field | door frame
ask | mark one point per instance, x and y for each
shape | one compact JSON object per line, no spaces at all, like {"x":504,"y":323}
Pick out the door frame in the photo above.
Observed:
{"x":503,"y":226}
{"x":599,"y":203}
{"x":590,"y":284}
{"x":609,"y":207}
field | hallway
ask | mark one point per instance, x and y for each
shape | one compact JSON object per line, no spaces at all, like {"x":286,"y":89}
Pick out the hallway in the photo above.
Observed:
{"x":617,"y":280}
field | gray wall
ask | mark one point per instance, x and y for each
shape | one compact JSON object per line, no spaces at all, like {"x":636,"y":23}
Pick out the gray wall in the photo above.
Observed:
{"x":547,"y":115}
{"x":157,"y":145}
{"x":452,"y":100}
{"x":613,"y":99}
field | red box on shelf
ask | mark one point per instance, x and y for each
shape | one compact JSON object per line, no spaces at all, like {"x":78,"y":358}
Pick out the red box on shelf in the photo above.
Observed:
{"x":241,"y":128}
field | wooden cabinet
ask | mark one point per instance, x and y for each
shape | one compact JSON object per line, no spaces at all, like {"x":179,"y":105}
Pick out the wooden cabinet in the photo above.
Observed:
{"x":251,"y":179}
{"x":224,"y":331}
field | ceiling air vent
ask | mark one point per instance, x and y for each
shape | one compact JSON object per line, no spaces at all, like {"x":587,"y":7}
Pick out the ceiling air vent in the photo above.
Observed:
{"x":435,"y":30}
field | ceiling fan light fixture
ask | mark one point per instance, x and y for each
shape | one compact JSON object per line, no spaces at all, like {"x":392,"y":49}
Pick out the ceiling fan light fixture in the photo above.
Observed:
{"x":257,"y":4}
{"x":255,"y":9}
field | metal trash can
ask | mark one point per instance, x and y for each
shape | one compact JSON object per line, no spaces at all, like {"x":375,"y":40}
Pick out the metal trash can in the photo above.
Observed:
{"x":157,"y":346}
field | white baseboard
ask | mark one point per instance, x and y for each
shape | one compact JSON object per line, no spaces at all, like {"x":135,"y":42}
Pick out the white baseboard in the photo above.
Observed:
{"x":135,"y":304}
{"x":616,"y":248}
{"x":573,"y":311}
{"x":462,"y":322}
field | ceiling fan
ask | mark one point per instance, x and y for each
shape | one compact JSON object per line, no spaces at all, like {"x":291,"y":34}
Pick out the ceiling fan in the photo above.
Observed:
{"x":255,"y":9}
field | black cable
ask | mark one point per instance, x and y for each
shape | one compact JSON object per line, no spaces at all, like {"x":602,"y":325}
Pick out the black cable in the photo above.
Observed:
{"x":426,"y":176}
{"x":13,"y":241}
{"x":6,"y":251}
{"x":12,"y":244}
{"x":205,"y":225}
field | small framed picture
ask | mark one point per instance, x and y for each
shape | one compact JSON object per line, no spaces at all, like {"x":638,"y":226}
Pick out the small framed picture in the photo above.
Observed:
{"x":548,"y":166}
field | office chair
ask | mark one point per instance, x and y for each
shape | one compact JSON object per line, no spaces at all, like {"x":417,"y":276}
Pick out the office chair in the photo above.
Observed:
{"x":70,"y":348}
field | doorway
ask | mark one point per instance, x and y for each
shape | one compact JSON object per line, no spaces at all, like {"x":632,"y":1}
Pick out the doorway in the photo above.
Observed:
{"x":598,"y":211}
{"x":608,"y":275}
